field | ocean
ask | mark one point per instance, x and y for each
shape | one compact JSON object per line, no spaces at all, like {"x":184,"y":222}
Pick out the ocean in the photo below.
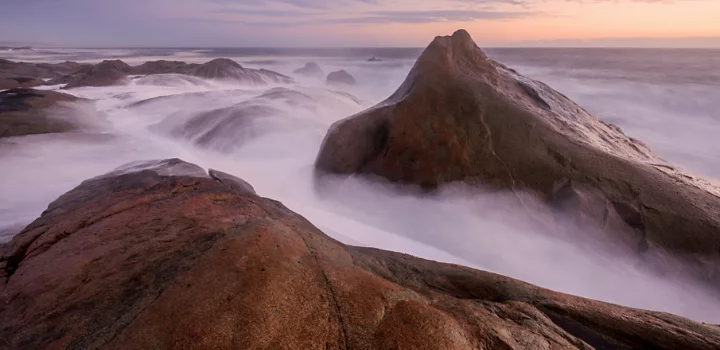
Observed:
{"x":669,"y":99}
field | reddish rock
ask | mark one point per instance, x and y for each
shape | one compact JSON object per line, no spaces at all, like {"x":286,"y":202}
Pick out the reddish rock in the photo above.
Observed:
{"x":460,"y":116}
{"x":161,"y":255}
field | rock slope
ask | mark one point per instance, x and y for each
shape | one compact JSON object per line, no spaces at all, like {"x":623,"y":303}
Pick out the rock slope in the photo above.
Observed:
{"x":460,"y":116}
{"x":161,"y":254}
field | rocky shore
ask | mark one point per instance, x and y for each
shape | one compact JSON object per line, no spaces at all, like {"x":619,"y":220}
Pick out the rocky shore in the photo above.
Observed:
{"x":162,"y":254}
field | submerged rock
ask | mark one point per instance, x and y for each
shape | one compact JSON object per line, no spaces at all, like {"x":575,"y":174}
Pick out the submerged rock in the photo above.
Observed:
{"x":341,"y":77}
{"x":310,"y":69}
{"x":25,"y":112}
{"x":151,"y":258}
{"x":460,"y":116}
{"x":222,"y":129}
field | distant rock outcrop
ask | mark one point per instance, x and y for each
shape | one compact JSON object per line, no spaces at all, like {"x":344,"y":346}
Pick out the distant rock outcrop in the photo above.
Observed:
{"x":375,"y":59}
{"x":310,"y":69}
{"x":111,"y":72}
{"x":223,"y":68}
{"x":460,"y":116}
{"x":105,"y":73}
{"x":22,"y":74}
{"x":159,"y":67}
{"x":341,"y":77}
{"x":25,"y":112}
{"x":161,"y":254}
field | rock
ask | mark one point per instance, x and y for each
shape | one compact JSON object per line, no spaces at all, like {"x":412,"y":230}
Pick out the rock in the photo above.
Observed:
{"x":159,"y":67}
{"x":18,"y":82}
{"x":310,"y":69}
{"x":221,"y":129}
{"x":105,"y":73}
{"x":24,"y":112}
{"x":223,"y":68}
{"x":142,"y":259}
{"x":460,"y":116}
{"x":21,"y":74}
{"x":341,"y":77}
{"x":374,"y":59}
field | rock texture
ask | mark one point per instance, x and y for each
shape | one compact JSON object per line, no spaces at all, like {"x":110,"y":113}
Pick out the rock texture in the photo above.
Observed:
{"x":24,"y":112}
{"x":310,"y":69}
{"x":460,"y":116}
{"x":341,"y":77}
{"x":160,"y":254}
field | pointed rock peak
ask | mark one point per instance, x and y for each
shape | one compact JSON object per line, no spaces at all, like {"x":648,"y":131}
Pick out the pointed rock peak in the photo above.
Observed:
{"x":462,"y":36}
{"x":457,"y":51}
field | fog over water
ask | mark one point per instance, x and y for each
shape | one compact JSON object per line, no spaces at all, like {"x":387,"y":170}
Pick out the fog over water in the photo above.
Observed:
{"x":270,"y":135}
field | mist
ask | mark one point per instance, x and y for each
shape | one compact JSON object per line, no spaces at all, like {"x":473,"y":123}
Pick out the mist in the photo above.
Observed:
{"x":270,"y":135}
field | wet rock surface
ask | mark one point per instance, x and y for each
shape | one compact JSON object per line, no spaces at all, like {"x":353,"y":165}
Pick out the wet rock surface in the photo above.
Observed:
{"x":159,"y":254}
{"x":460,"y":116}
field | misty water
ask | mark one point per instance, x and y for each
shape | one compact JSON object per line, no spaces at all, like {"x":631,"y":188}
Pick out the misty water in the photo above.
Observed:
{"x":668,"y":99}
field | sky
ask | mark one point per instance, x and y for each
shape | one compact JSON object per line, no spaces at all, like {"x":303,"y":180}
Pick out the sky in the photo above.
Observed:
{"x":359,"y":23}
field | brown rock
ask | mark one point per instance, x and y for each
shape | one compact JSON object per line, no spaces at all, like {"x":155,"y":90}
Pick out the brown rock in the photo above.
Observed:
{"x":25,"y":112}
{"x":341,"y":77}
{"x":161,"y":255}
{"x":460,"y":116}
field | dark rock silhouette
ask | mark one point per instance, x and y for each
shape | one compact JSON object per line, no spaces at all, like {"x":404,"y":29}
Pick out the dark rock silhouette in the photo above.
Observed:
{"x":160,"y":254}
{"x":374,"y":59}
{"x":310,"y":69}
{"x":460,"y":116}
{"x":341,"y":77}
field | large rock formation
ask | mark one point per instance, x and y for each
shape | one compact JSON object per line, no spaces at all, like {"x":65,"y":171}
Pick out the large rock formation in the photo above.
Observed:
{"x":26,"y":111}
{"x":161,"y":254}
{"x":460,"y":116}
{"x":341,"y":77}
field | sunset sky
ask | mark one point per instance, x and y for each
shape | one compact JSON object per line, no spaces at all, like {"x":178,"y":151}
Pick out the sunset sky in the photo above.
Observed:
{"x":346,"y":23}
